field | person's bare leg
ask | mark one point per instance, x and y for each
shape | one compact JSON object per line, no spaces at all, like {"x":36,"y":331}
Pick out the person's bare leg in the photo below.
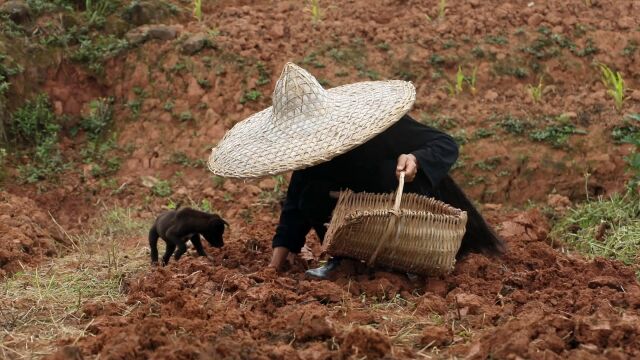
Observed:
{"x":280,"y":254}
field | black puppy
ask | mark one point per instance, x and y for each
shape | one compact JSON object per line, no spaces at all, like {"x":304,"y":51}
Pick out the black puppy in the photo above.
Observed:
{"x":176,"y":227}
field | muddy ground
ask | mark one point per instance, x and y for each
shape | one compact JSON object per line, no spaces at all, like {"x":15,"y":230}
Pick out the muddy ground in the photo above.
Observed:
{"x":171,"y":105}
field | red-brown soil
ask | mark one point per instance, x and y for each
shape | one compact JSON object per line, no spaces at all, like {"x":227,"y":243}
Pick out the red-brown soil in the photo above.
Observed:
{"x":26,"y":234}
{"x":533,"y":303}
{"x":537,"y":302}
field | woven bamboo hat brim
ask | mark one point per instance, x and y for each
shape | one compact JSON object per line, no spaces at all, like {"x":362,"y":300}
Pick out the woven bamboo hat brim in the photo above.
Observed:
{"x":308,"y":125}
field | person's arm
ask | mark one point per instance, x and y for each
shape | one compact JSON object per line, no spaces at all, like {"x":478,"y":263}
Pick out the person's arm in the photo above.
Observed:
{"x":435,"y":151}
{"x":293,"y":227}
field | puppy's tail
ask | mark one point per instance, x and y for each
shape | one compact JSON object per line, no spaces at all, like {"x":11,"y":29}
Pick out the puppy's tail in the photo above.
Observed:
{"x":479,"y":236}
{"x":153,"y":244}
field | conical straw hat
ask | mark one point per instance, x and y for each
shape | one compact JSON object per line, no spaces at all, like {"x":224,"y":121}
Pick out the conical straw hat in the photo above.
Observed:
{"x":308,"y":125}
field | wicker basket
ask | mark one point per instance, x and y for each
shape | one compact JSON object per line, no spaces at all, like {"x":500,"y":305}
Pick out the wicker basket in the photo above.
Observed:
{"x":414,"y":234}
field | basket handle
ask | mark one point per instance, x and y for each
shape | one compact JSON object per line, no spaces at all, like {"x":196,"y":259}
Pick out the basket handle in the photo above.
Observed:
{"x":389,"y":231}
{"x":396,"y":205}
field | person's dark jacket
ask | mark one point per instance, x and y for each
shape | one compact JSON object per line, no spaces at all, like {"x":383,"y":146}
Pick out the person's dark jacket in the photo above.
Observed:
{"x":371,"y":167}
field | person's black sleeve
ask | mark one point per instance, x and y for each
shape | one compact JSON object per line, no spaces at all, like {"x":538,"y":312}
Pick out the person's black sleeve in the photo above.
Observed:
{"x":435,"y":151}
{"x":293,"y":227}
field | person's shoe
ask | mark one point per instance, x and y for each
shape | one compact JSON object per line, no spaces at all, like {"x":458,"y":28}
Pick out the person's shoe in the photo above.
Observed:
{"x":325,"y":270}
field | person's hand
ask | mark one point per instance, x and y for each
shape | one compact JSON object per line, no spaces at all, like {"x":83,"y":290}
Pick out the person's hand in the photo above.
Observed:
{"x":409,"y":164}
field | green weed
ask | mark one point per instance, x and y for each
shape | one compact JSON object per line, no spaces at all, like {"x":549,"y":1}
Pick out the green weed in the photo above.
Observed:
{"x":603,"y":227}
{"x":204,"y":83}
{"x":634,"y":158}
{"x":181,"y":158}
{"x":472,"y":80}
{"x":162,"y":188}
{"x":439,"y":122}
{"x":313,"y":8}
{"x":94,"y":52}
{"x":8,"y":68}
{"x":197,"y":9}
{"x":459,"y":80}
{"x":514,"y":125}
{"x":264,"y":77}
{"x":536,"y":91}
{"x":185,"y":116}
{"x":442,"y":8}
{"x":489,"y":164}
{"x":312,"y":59}
{"x":96,"y":11}
{"x":589,"y":49}
{"x":35,"y":126}
{"x":483,"y":133}
{"x":99,"y":118}
{"x":615,"y":85}
{"x":630,"y":49}
{"x":557,"y":134}
{"x":251,"y":95}
{"x":496,"y":40}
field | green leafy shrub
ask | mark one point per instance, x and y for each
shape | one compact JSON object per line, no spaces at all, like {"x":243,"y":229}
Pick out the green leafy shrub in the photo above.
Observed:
{"x":557,"y":134}
{"x":99,"y":118}
{"x":34,"y":126}
{"x":162,"y":188}
{"x":95,"y":51}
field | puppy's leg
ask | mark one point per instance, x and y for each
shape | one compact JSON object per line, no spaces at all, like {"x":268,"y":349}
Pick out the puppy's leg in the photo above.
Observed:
{"x":171,"y":247}
{"x":195,"y":240}
{"x":182,"y":248}
{"x":153,"y":244}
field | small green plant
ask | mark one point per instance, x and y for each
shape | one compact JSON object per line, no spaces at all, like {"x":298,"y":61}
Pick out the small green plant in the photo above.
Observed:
{"x":168,"y":106}
{"x":514,"y":125}
{"x":557,"y":133}
{"x":442,"y":8}
{"x":472,"y":80}
{"x":96,"y":11}
{"x":263,"y":74}
{"x":185,"y":116}
{"x":204,"y":83}
{"x":315,"y":11}
{"x":536,"y":91}
{"x":162,"y":188}
{"x":197,"y":9}
{"x":630,"y":49}
{"x":615,"y":85}
{"x":459,"y":80}
{"x":99,"y":118}
{"x":251,"y":95}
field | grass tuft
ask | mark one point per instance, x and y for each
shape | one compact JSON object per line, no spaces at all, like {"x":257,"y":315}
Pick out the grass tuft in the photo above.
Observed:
{"x":604,"y":227}
{"x":49,"y":300}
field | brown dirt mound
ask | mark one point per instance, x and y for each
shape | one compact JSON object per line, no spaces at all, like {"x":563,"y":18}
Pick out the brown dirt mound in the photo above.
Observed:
{"x":26,"y":233}
{"x":534,"y":303}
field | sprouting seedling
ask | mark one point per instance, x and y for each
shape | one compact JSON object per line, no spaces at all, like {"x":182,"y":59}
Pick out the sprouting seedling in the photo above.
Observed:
{"x":197,"y":9}
{"x":472,"y":80}
{"x":459,"y":80}
{"x":314,"y":9}
{"x":614,"y":83}
{"x":451,"y":89}
{"x":536,"y":91}
{"x":442,"y":6}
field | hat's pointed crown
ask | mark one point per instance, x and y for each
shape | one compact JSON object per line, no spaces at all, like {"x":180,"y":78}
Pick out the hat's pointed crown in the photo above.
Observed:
{"x":297,"y":93}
